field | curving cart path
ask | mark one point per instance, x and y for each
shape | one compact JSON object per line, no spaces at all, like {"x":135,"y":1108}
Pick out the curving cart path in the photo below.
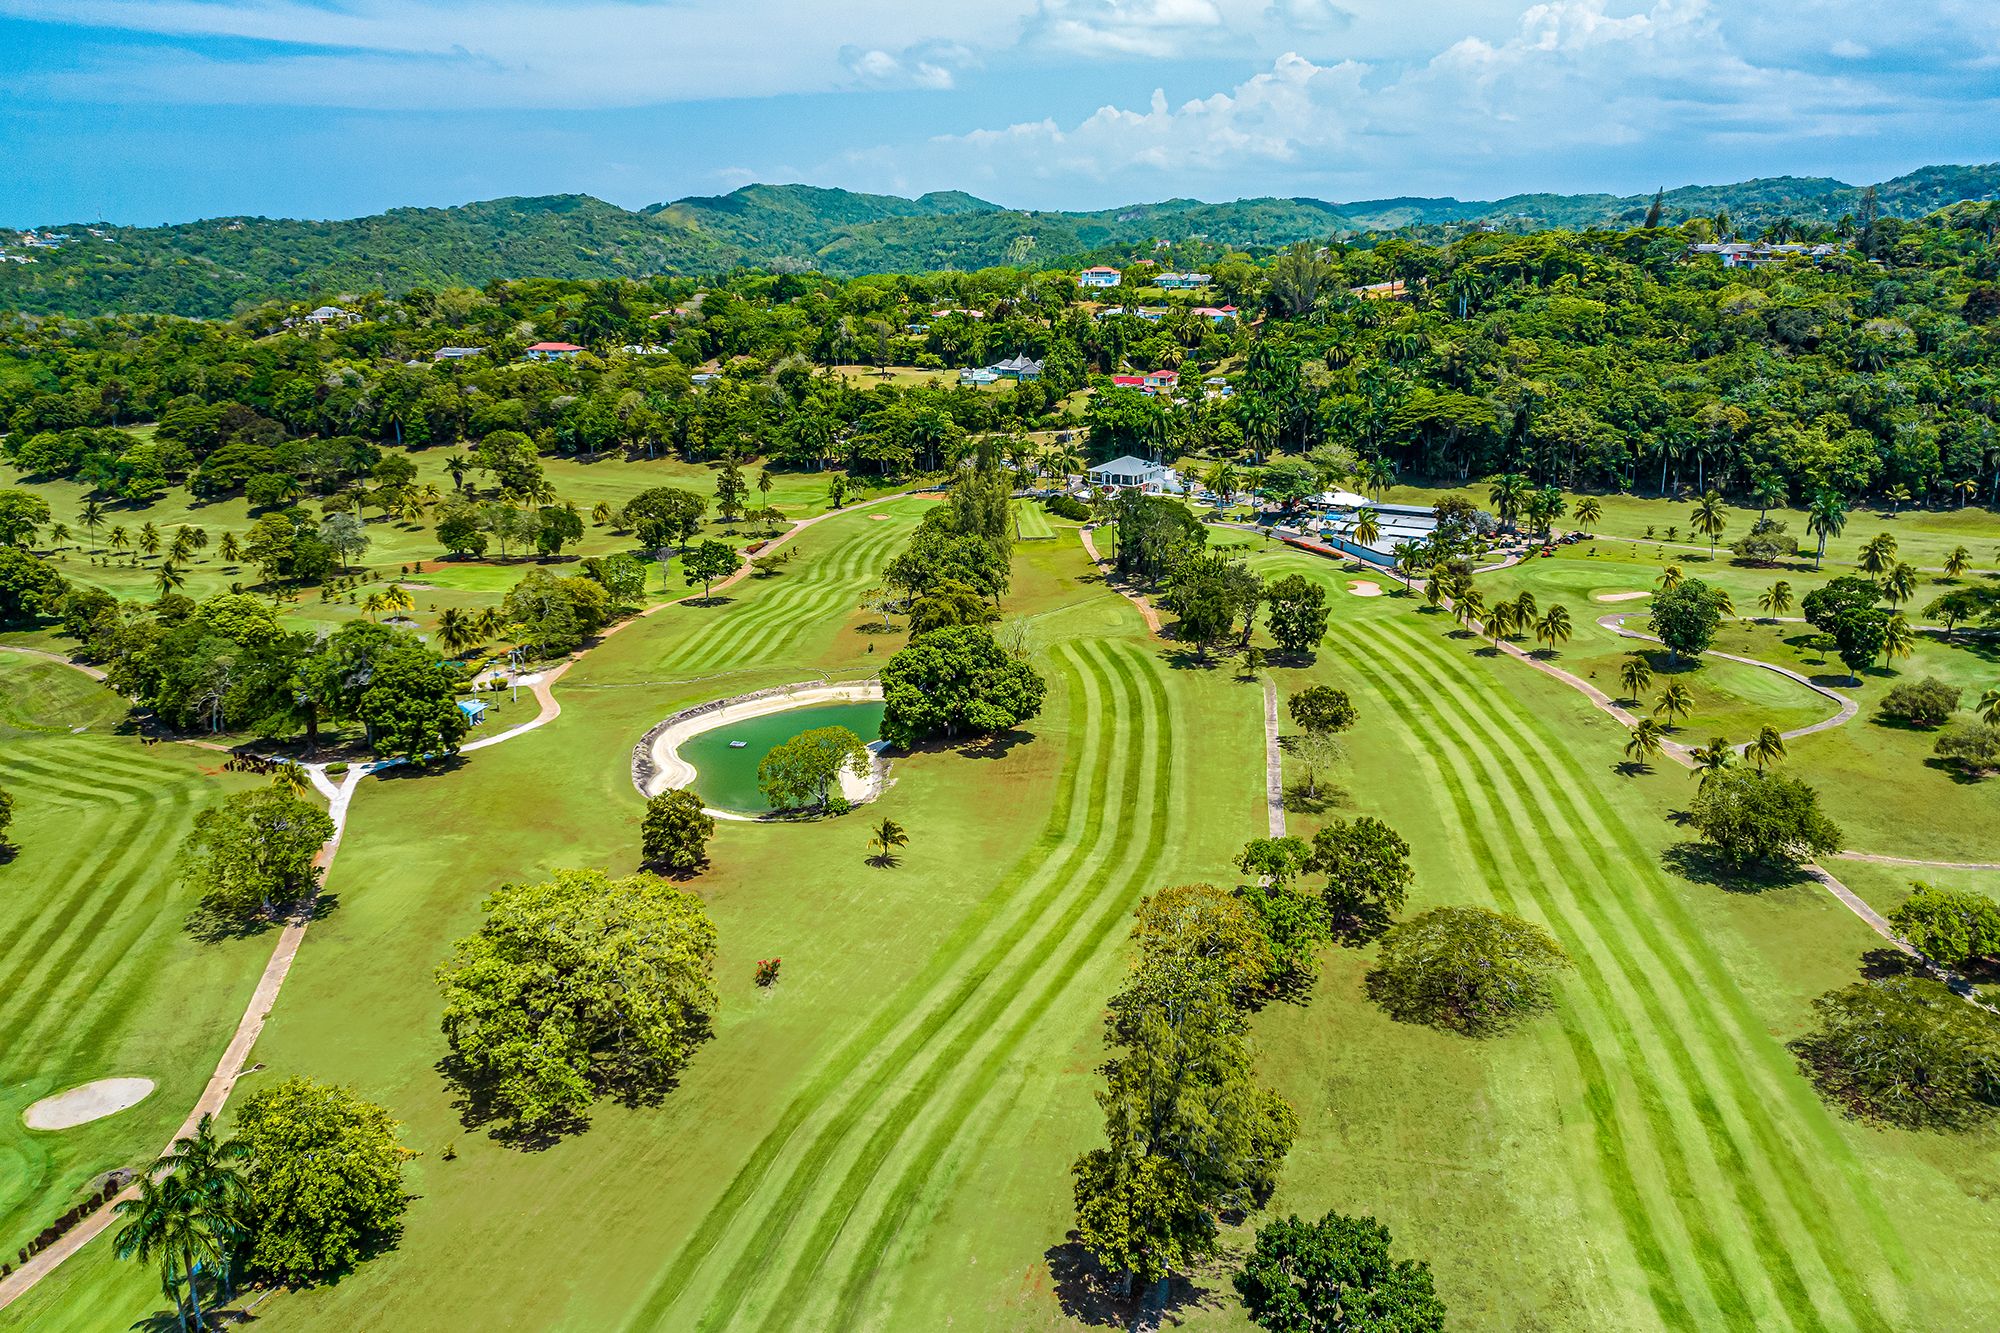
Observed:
{"x":291,"y":935}
{"x":1152,"y":616}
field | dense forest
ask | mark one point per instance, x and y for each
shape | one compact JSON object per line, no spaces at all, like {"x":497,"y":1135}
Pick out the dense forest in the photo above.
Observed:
{"x":219,"y":267}
{"x":1605,"y":359}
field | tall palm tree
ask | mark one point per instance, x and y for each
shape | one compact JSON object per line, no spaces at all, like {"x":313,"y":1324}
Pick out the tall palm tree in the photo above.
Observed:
{"x":1711,"y":759}
{"x":1879,"y":554}
{"x":1554,"y":629}
{"x":149,"y":539}
{"x":1643,"y":745}
{"x":1469,"y":606}
{"x":1989,"y":707}
{"x":118,"y":539}
{"x":1675,"y":702}
{"x":1524,"y":609}
{"x":1588,"y":511}
{"x":1670,"y":578}
{"x":1776,"y":600}
{"x":1898,"y":640}
{"x":1825,"y":518}
{"x":1367,"y":527}
{"x":1900,"y":583}
{"x":58,"y":534}
{"x":1710,"y":518}
{"x":229,"y":549}
{"x":456,"y":630}
{"x":1767,"y":749}
{"x":1500,"y":621}
{"x":168,"y":578}
{"x":885,"y":838}
{"x":1378,"y":475}
{"x":1506,"y":494}
{"x":91,"y":515}
{"x":1636,"y":674}
{"x":1957,"y":562}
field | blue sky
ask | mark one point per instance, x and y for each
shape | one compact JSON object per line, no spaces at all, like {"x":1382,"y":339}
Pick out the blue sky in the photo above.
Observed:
{"x":145,"y":111}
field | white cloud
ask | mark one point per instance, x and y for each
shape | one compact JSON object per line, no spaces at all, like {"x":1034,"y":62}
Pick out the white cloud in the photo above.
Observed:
{"x":1848,"y":49}
{"x":929,"y":65}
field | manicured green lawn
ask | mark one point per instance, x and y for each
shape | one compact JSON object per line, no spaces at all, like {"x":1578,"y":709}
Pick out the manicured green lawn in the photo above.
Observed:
{"x":97,"y":978}
{"x":1031,"y":521}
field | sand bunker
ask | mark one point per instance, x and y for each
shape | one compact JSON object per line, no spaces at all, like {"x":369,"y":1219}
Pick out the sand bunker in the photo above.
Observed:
{"x":1621,"y":596}
{"x":1363,"y":588}
{"x":879,"y":518}
{"x":87,"y":1102}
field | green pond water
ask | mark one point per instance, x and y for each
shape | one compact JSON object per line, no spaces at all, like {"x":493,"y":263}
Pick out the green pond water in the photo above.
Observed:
{"x":726,"y":778}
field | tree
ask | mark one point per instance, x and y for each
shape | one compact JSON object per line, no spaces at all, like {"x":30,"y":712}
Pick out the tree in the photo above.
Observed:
{"x":462,"y":531}
{"x":1710,"y":518}
{"x":21,"y":513}
{"x":1335,"y":1276}
{"x":252,"y":856}
{"x":803,"y":770}
{"x":1465,"y":969}
{"x":1878,"y":554}
{"x":1900,"y":583}
{"x":1367,"y":865}
{"x":1642,"y":745}
{"x":29,"y":587}
{"x":1206,"y":591}
{"x":345,"y":536}
{"x":1675,"y":702}
{"x":708,"y":562}
{"x":551,"y":616}
{"x":324,"y":1184}
{"x":1949,"y":926}
{"x":1898,"y":638}
{"x":1685,"y":617}
{"x":1905,"y":1051}
{"x":6,"y":818}
{"x":1753,"y":817}
{"x":1922,"y":703}
{"x":1553,"y":629}
{"x":1320,"y":709}
{"x":1711,"y":759}
{"x":836,"y":491}
{"x":1776,"y":600}
{"x":410,"y":705}
{"x":1139,"y":1216}
{"x":885,"y":838}
{"x":1972,"y":747}
{"x":1588,"y":511}
{"x":171,"y":1223}
{"x":1957,"y":562}
{"x":1635,"y":674}
{"x":1825,"y":518}
{"x":1766,"y":543}
{"x":556,"y":526}
{"x":954,"y":682}
{"x":730,"y":491}
{"x":1768,"y":749}
{"x":663,"y":516}
{"x":675,"y":831}
{"x":575,"y":987}
{"x":1989,"y":707}
{"x":1296,"y":613}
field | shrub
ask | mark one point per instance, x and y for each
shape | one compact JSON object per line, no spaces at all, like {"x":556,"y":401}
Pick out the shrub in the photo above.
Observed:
{"x":1972,"y":746}
{"x":1069,"y":507}
{"x":1952,"y":926}
{"x":1924,"y":703}
{"x":1904,"y":1050}
{"x":1766,"y":543}
{"x":1466,"y":969}
{"x":767,"y":971}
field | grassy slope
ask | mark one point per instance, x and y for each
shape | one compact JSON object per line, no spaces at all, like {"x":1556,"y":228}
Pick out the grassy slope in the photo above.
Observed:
{"x":97,"y":979}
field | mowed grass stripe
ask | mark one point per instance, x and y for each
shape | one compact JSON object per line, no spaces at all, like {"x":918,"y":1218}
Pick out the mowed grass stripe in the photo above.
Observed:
{"x":1680,"y":1296}
{"x":1534,"y":802}
{"x":108,"y":909}
{"x":1108,"y":898}
{"x":753,"y":627}
{"x":1779,"y":1159}
{"x":1108,"y":691}
{"x":43,"y":765}
{"x":1079,"y":794}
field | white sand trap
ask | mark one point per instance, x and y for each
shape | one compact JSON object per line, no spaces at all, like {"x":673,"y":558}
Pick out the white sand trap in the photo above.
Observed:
{"x":1363,"y":588}
{"x":879,"y":518}
{"x":87,"y":1102}
{"x":1621,"y":596}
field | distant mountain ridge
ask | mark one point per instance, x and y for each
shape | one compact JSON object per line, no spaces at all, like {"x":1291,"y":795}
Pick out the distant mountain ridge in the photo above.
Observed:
{"x":215,"y":266}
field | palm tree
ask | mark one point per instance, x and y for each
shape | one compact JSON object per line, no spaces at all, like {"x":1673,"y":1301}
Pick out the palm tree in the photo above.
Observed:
{"x":1768,"y":748}
{"x":1710,"y":517}
{"x":1675,"y":702}
{"x":1367,"y":527}
{"x":58,"y":534}
{"x":1500,"y":621}
{"x":396,"y":598}
{"x":119,"y":538}
{"x":229,"y":549}
{"x":1524,"y":609}
{"x":1588,"y":511}
{"x":1670,"y":578}
{"x":1900,"y":583}
{"x":1468,"y":607}
{"x":491,"y":623}
{"x":92,"y":517}
{"x":1643,"y":746}
{"x":1554,"y":629}
{"x":1506,"y":495}
{"x":1879,"y":554}
{"x":885,"y":838}
{"x":1957,"y":562}
{"x":1378,"y":475}
{"x":149,"y":539}
{"x":168,"y":578}
{"x":161,"y":1227}
{"x":456,"y":630}
{"x":292,"y":778}
{"x":1635,"y":675}
{"x":1899,"y":640}
{"x":1725,"y":605}
{"x":1711,"y":759}
{"x":1826,"y":518}
{"x":1776,"y":600}
{"x":1989,"y":707}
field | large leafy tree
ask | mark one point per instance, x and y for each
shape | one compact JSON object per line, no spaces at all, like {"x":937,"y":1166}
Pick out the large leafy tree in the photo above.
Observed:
{"x":1686,"y":616}
{"x":675,"y":832}
{"x":1367,"y":869}
{"x":956,"y":682}
{"x":324,"y":1179}
{"x":1751,"y":817}
{"x":803,"y":770}
{"x":251,"y":857}
{"x":575,"y":987}
{"x":1295,"y":611}
{"x":1906,"y":1051}
{"x":1466,"y":969}
{"x":1336,"y":1275}
{"x":29,"y":587}
{"x":410,"y":705}
{"x":1952,"y":926}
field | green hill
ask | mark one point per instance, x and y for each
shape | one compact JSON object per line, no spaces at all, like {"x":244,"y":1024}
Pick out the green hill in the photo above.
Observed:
{"x":217,"y":266}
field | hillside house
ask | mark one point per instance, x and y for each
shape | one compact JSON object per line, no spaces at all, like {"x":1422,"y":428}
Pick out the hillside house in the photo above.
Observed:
{"x":331,"y":314}
{"x":976,"y":377}
{"x":1101,"y":275}
{"x":1215,"y":314}
{"x":1756,"y":254}
{"x":1180,"y":282}
{"x":1161,"y":381}
{"x":1136,"y":474}
{"x":1023,"y":368}
{"x":1128,"y":381}
{"x":456,"y":353}
{"x":1393,"y":290}
{"x":554,"y":352}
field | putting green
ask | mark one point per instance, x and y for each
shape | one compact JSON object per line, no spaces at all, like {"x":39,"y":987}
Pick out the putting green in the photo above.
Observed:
{"x":725,"y":760}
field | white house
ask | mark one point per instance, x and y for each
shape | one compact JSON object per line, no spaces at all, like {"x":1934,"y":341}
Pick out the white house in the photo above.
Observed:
{"x":1129,"y":473}
{"x":553,"y":351}
{"x":331,"y":314}
{"x":1024,"y":368}
{"x":1101,"y":275}
{"x":456,"y":353}
{"x":976,"y":376}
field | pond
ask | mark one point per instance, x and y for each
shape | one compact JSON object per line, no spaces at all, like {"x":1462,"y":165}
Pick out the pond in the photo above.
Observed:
{"x":726,"y":775}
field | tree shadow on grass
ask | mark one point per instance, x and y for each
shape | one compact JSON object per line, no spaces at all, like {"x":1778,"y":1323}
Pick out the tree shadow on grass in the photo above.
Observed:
{"x":996,"y":746}
{"x":1878,"y":964}
{"x":1964,"y":777}
{"x":1299,"y":801}
{"x":1698,"y":863}
{"x":1089,"y":1295}
{"x":472,"y":1099}
{"x":211,"y":925}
